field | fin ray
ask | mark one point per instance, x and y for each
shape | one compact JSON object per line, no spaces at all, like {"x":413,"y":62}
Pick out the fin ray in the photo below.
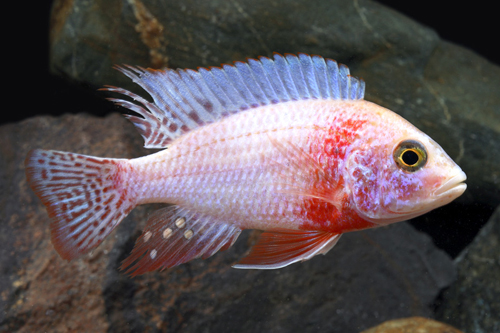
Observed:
{"x":187,"y":99}
{"x":82,"y":195}
{"x":175,"y":235}
{"x":280,"y":248}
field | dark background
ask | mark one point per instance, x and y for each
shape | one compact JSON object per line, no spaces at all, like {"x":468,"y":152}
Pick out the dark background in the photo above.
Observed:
{"x":474,"y":26}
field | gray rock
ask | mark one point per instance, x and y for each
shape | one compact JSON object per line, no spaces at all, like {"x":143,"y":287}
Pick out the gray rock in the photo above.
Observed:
{"x":189,"y":34}
{"x":472,"y":303}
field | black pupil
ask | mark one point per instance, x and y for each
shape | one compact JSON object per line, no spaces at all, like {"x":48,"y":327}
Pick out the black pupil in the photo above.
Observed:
{"x":410,"y":157}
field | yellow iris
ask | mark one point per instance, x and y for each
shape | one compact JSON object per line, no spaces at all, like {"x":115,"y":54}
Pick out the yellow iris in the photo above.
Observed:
{"x":410,"y":155}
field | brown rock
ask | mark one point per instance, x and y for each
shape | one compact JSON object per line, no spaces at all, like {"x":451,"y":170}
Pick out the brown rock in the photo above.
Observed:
{"x":412,"y":325}
{"x":41,"y":291}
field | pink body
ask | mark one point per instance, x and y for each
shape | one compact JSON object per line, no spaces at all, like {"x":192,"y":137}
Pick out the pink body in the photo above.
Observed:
{"x":232,"y":170}
{"x":287,"y":146}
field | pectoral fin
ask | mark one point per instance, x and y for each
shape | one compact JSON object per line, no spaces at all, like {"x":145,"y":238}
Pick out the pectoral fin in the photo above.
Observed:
{"x":280,"y":248}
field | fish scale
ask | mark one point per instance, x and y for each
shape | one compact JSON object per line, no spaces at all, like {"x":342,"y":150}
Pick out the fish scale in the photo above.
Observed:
{"x":286,"y":145}
{"x":222,"y":144}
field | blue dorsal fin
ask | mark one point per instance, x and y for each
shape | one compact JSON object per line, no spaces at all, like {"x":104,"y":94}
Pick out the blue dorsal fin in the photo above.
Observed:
{"x":186,"y":99}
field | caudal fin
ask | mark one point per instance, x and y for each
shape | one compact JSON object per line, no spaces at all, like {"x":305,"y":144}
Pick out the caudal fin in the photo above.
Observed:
{"x":84,"y":196}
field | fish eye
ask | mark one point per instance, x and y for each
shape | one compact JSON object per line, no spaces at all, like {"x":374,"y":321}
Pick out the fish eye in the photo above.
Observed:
{"x":410,"y":155}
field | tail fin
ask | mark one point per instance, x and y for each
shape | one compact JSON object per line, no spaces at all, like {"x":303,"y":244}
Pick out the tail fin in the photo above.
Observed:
{"x":84,"y":196}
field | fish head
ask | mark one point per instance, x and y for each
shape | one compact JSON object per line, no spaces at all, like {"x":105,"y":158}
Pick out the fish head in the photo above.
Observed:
{"x":398,"y":173}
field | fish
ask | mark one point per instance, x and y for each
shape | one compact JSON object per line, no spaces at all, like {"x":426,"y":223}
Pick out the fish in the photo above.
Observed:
{"x":286,"y":145}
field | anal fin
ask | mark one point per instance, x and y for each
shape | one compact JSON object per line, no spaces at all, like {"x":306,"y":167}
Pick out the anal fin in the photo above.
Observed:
{"x":280,"y":248}
{"x":174,"y":236}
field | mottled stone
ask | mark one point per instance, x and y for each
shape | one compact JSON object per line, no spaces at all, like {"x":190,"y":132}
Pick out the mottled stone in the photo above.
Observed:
{"x":39,"y":290}
{"x":472,"y":303}
{"x":412,"y":325}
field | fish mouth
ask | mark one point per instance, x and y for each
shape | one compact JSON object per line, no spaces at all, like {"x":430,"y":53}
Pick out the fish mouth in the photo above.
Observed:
{"x":445,"y":194}
{"x":453,"y":187}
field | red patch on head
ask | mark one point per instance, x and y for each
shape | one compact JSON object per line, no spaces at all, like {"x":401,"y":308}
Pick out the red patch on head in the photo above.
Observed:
{"x":324,"y":216}
{"x":328,"y":148}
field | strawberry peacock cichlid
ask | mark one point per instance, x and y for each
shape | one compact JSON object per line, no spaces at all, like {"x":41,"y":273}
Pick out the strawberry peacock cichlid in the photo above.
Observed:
{"x":285,"y":145}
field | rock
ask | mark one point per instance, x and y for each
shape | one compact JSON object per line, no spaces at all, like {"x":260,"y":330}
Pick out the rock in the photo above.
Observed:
{"x":445,"y":90}
{"x":472,"y":302}
{"x":369,"y":277}
{"x":412,"y":325}
{"x":38,"y":288}
{"x":189,"y":34}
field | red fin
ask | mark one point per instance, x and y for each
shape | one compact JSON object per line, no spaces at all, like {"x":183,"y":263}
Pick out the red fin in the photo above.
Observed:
{"x":301,"y":168}
{"x":174,"y":236}
{"x":280,"y":248}
{"x":82,"y":195}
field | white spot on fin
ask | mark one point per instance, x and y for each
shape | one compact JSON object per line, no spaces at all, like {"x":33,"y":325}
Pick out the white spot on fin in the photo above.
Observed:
{"x":167,"y":233}
{"x":180,"y":222}
{"x":170,"y":245}
{"x":188,"y":234}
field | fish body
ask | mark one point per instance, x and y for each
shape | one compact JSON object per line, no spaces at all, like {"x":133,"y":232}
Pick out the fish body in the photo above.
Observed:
{"x":239,"y":168}
{"x":287,"y":146}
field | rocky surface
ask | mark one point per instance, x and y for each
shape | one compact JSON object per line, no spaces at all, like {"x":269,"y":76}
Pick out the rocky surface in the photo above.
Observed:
{"x":412,"y":325}
{"x":369,"y":277}
{"x":39,"y":290}
{"x":472,"y":303}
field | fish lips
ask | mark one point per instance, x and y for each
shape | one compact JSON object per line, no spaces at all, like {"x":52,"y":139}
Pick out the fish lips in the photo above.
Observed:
{"x":452,"y":188}
{"x":446,"y":193}
{"x":443,"y":195}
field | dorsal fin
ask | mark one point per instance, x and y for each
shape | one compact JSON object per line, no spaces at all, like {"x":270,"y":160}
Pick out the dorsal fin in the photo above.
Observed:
{"x":187,"y":99}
